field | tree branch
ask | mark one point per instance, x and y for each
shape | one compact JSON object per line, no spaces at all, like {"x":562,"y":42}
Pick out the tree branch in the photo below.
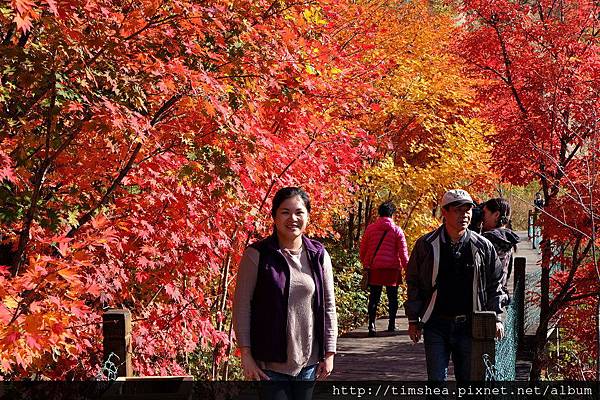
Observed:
{"x":164,"y":108}
{"x":23,"y":39}
{"x":509,"y":79}
{"x":116,"y":182}
{"x":38,"y":181}
{"x":572,"y":298}
{"x":11,"y":31}
{"x":125,"y":170}
{"x":565,"y":292}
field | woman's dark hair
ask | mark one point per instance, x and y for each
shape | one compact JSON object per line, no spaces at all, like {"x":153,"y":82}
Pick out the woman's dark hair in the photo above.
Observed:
{"x":286,"y":193}
{"x":387,"y":209}
{"x":501,"y":205}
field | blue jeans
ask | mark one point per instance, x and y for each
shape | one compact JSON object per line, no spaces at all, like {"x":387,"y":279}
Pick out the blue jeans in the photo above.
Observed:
{"x":444,"y":339}
{"x":289,"y":387}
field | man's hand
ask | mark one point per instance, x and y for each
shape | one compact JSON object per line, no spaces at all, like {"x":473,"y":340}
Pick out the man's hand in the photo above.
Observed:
{"x":499,"y":330}
{"x":414,"y":332}
{"x":251,"y":371}
{"x":325,"y":367}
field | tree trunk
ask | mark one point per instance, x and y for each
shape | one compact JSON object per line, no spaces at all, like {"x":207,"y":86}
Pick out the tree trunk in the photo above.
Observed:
{"x":598,"y":338}
{"x":368,"y":210}
{"x":541,"y":334}
{"x":222,"y":304}
{"x":225,"y":375}
{"x":350,"y":232}
{"x":539,"y":353}
{"x":359,"y":222}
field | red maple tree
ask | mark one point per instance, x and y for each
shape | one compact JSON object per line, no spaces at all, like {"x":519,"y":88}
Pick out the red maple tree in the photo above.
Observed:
{"x":140,"y":143}
{"x":540,"y":59}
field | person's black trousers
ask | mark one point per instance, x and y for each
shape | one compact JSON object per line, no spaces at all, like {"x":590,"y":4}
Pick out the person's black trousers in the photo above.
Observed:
{"x":375,"y":296}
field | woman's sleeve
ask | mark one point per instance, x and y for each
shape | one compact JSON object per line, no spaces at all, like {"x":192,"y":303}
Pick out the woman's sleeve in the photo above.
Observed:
{"x":331,"y":328}
{"x":364,"y":245}
{"x":402,"y":248}
{"x":244,"y":289}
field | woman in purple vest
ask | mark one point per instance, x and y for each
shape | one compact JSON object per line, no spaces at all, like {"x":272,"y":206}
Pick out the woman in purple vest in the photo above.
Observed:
{"x":284,"y":307}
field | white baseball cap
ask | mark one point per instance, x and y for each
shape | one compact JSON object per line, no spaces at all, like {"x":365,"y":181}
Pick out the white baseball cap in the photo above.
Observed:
{"x":457,"y":197}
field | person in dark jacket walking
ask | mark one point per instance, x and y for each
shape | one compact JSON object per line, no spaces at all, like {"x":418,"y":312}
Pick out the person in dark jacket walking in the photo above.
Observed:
{"x":384,"y":255}
{"x":452,"y":272}
{"x":496,"y":220}
{"x":284,"y":308}
{"x":538,"y":202}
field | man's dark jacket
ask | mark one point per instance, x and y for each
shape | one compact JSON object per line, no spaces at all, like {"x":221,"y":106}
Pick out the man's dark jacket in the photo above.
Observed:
{"x":423,"y":267}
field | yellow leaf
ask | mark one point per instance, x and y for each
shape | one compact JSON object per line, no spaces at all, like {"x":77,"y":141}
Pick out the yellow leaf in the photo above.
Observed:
{"x":11,"y":303}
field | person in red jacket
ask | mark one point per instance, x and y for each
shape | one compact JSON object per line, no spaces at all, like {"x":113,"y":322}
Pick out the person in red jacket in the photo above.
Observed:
{"x":384,"y":254}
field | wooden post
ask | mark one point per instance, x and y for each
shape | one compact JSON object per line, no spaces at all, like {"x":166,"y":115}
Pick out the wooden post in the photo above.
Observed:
{"x":116,"y":328}
{"x":519,"y":298}
{"x":484,"y":333}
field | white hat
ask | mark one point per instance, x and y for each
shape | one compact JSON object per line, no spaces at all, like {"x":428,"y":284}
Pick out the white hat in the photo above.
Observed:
{"x":457,"y":196}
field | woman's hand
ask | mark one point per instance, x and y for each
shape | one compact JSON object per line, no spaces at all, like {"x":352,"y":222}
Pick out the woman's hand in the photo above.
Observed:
{"x":251,"y":371}
{"x":325,"y":366}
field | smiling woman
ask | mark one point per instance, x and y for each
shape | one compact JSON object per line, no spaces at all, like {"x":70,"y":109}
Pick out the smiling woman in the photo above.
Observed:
{"x":284,"y":306}
{"x":290,"y":215}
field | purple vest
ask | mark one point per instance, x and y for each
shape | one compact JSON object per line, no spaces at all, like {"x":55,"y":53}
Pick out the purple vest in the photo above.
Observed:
{"x":269,"y":305}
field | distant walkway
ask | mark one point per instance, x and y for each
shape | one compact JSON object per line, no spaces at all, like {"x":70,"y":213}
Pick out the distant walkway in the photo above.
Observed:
{"x":393,"y":356}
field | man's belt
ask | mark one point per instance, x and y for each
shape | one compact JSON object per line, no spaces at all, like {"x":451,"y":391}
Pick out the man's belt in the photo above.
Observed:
{"x":453,"y":318}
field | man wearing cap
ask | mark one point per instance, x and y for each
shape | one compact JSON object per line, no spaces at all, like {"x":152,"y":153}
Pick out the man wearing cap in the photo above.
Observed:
{"x":452,"y":272}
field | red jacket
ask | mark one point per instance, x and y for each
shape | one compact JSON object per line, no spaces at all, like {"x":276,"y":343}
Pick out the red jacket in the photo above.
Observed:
{"x":392,"y":256}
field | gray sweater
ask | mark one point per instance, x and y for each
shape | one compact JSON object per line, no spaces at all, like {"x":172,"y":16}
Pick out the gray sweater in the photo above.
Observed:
{"x":302,"y":348}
